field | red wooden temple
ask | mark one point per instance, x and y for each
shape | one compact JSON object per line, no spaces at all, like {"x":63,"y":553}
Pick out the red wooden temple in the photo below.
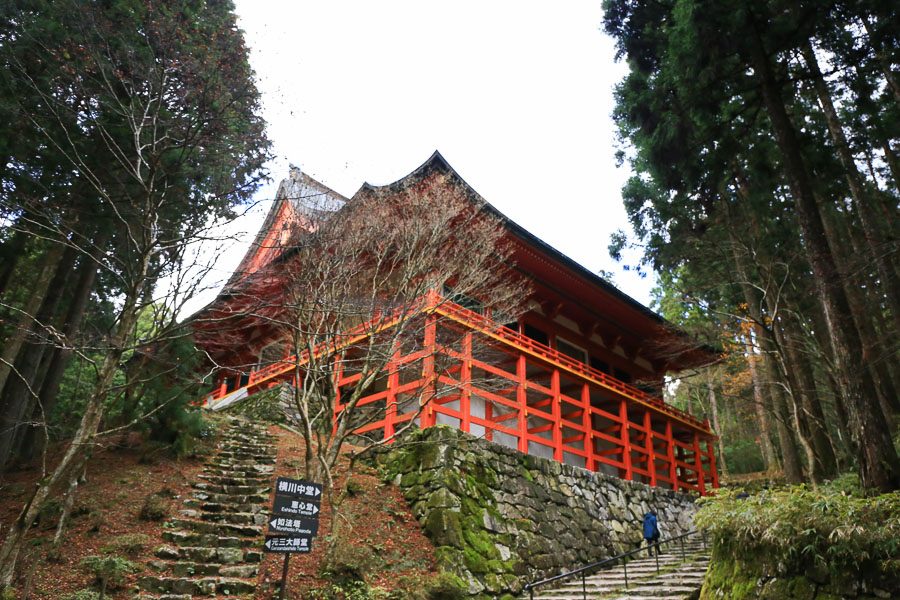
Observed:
{"x":582,"y":369}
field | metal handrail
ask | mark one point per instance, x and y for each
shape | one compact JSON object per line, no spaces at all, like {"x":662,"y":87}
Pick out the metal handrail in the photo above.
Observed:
{"x":530,"y":587}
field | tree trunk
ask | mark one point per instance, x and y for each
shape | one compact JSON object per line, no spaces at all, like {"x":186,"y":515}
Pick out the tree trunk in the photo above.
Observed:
{"x":864,"y":312}
{"x":878,"y":247}
{"x":714,"y":412}
{"x":49,"y":393}
{"x":12,"y":251}
{"x":68,"y":505}
{"x":883,"y":61}
{"x":790,"y":458}
{"x":893,"y":164}
{"x":761,"y":408}
{"x":813,"y":415}
{"x":20,"y":392}
{"x":26,"y":318}
{"x":71,"y":462}
{"x":793,"y":395}
{"x":878,"y":461}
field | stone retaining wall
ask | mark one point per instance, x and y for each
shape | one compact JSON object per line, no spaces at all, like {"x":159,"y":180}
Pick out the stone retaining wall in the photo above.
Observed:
{"x":501,"y":518}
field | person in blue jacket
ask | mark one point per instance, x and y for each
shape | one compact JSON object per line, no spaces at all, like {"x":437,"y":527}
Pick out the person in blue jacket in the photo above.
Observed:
{"x":651,"y":531}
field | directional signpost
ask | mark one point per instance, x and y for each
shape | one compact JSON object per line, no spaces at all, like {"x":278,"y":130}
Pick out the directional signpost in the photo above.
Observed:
{"x":295,"y":520}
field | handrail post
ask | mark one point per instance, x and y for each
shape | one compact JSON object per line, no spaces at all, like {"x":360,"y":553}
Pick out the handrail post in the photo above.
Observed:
{"x":657,"y":558}
{"x":625,"y":567}
{"x":583,"y":586}
{"x":683,"y":553}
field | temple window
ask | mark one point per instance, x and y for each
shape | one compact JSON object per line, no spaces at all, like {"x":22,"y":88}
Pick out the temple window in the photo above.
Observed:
{"x":570,"y":349}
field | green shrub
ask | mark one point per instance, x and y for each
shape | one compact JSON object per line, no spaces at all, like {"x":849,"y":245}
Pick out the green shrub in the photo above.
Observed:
{"x":109,"y":571}
{"x":348,"y":590}
{"x":797,"y":529}
{"x":440,"y":586}
{"x":743,"y":457}
{"x":130,"y":544}
{"x":154,"y":508}
{"x":348,"y":562}
{"x":48,"y":516}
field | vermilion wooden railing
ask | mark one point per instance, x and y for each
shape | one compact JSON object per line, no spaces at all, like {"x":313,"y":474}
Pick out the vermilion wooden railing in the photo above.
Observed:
{"x":561,"y":423}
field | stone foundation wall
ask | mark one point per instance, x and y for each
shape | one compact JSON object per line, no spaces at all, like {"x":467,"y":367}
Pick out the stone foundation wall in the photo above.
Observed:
{"x":501,"y":518}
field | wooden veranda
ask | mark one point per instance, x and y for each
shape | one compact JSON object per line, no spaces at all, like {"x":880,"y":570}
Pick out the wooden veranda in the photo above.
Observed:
{"x":492,"y":381}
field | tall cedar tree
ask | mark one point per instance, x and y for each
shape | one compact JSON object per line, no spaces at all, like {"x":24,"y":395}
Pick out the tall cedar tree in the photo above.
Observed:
{"x":140,"y":126}
{"x":715,"y":114}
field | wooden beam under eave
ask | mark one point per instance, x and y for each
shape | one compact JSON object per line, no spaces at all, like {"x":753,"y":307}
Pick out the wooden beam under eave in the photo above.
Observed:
{"x":551,"y":308}
{"x":611,"y":340}
{"x":588,"y":328}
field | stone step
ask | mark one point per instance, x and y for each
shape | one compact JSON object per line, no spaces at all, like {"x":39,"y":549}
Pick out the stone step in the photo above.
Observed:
{"x":191,"y":569}
{"x":250,"y":466}
{"x":236,"y":499}
{"x":234,"y":490}
{"x":235,"y":518}
{"x":229,"y":556}
{"x":204,"y":586}
{"x":222,"y":507}
{"x":259,"y":446}
{"x":207,"y":540}
{"x":678,"y":579}
{"x":259,"y":458}
{"x":223,"y":529}
{"x":255,"y":480}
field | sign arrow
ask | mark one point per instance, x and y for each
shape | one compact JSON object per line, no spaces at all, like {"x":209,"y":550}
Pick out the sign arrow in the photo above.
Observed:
{"x":290,"y":506}
{"x":293,"y":525}
{"x":298,"y":488}
{"x":288,"y":544}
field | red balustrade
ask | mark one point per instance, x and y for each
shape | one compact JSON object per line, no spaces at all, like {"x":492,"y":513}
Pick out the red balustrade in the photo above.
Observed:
{"x":547,"y":403}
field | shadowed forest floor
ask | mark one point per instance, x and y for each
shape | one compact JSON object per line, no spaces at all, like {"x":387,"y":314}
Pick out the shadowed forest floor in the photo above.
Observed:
{"x":380,"y":540}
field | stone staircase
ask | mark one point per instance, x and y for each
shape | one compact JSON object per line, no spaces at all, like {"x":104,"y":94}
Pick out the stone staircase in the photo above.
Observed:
{"x":214,"y":545}
{"x":680,"y":577}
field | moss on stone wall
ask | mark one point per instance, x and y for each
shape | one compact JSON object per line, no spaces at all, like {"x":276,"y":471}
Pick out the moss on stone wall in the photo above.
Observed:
{"x":500,"y":519}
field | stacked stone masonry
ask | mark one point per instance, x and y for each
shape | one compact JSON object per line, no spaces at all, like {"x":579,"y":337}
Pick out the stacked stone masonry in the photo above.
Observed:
{"x":214,"y":547}
{"x":501,"y":518}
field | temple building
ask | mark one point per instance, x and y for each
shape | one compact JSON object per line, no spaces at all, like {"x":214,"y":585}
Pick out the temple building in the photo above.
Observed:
{"x":576,"y":378}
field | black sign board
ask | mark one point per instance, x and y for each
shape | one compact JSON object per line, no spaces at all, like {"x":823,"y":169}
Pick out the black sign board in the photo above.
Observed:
{"x":296,"y":509}
{"x":289,"y":506}
{"x":298,"y":488}
{"x":303,"y":526}
{"x":291,"y":544}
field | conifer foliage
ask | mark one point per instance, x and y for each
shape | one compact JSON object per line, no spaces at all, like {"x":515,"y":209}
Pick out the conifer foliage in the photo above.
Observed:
{"x":127,"y":127}
{"x":764,"y":139}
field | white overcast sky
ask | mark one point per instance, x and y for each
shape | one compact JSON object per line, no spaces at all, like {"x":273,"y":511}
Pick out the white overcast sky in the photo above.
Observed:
{"x":517,"y":96}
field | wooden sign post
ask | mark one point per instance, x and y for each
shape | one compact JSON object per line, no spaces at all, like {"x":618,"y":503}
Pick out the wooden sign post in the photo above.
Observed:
{"x":294,"y":521}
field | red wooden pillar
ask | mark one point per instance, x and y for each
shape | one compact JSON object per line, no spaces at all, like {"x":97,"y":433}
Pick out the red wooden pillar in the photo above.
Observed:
{"x":626,"y":438}
{"x":427,"y":417}
{"x":698,"y":464}
{"x":713,"y":470}
{"x":465,"y":381}
{"x":390,"y":401}
{"x":670,"y":455}
{"x":651,"y":453}
{"x":223,"y":389}
{"x":556,"y":411}
{"x":588,"y":425}
{"x":522,"y":402}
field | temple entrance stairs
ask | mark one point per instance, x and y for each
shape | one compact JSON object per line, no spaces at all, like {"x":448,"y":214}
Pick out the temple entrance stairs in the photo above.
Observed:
{"x":679,"y":576}
{"x":213,"y":547}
